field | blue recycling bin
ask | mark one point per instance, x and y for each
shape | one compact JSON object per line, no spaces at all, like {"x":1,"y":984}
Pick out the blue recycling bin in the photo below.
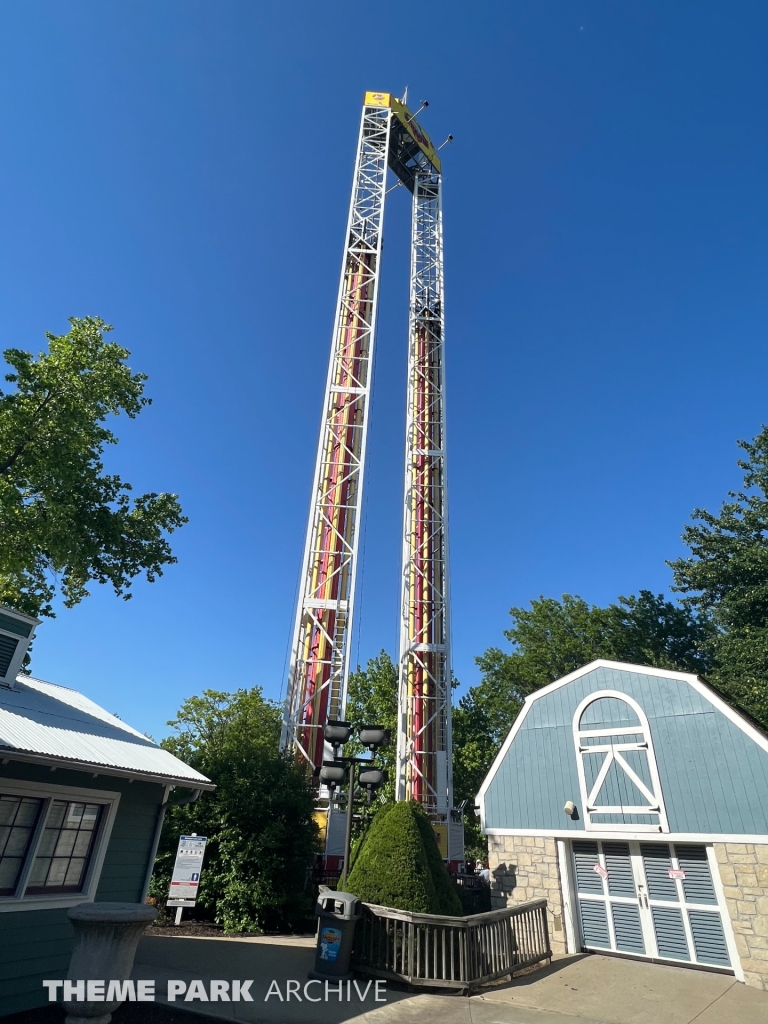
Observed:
{"x":338,"y":914}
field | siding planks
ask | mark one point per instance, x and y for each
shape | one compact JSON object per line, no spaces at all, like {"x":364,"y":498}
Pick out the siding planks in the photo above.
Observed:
{"x":709,"y":769}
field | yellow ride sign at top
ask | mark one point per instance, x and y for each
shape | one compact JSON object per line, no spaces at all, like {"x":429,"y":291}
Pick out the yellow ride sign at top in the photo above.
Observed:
{"x":409,"y":122}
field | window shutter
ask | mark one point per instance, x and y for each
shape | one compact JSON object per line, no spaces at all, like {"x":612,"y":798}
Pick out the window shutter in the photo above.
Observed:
{"x":585,"y":858}
{"x":627,"y":927}
{"x":621,"y":881}
{"x":7,"y":650}
{"x":708,"y":938}
{"x":16,"y":631}
{"x":594,"y":924}
{"x":697,"y":884}
{"x":670,"y":933}
{"x":657,"y":863}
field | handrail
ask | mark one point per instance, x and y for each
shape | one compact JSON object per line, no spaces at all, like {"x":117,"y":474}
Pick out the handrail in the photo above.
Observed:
{"x":450,"y":952}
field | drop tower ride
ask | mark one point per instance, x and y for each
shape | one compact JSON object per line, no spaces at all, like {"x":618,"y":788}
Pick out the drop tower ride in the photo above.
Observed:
{"x":390,"y":138}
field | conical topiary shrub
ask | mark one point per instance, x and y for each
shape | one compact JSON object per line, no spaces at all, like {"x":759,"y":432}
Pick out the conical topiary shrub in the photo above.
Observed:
{"x":395,"y":868}
{"x":360,"y":841}
{"x":447,"y":899}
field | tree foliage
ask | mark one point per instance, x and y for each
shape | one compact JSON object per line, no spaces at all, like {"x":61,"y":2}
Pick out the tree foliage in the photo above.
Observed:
{"x":372,"y":700}
{"x":446,"y":898}
{"x":62,"y":518}
{"x":398,"y":864}
{"x":259,"y":821}
{"x":726,"y":578}
{"x":550,"y":639}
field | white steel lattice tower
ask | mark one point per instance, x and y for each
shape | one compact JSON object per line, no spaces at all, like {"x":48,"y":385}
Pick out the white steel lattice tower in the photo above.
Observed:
{"x":424,"y":735}
{"x":317,"y":685}
{"x":320,"y":655}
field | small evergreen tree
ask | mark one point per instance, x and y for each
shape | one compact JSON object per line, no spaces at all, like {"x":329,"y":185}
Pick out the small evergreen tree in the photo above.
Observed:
{"x":398,"y":864}
{"x":448,"y":901}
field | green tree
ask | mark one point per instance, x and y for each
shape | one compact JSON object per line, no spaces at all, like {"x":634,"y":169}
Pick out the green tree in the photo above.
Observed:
{"x":726,"y":579}
{"x":372,"y":700}
{"x":446,"y":898}
{"x":62,"y":518}
{"x":259,"y":821}
{"x":552,"y":638}
{"x":398,"y":864}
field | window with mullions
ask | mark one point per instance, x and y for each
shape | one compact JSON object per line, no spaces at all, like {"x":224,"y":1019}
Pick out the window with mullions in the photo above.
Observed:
{"x":18,"y":818}
{"x":65,"y":848}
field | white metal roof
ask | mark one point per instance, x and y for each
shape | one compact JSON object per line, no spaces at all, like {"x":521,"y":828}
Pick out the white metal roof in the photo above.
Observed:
{"x":40,"y":720}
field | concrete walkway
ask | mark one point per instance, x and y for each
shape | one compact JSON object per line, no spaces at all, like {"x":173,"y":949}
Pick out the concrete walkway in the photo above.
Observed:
{"x":573,"y":990}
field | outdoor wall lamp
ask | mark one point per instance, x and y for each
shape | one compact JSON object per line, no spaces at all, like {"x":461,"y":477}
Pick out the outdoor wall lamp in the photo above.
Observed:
{"x":570,"y":808}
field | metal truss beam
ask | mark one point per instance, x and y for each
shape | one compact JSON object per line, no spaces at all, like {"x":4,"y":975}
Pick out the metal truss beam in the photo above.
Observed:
{"x":320,"y":652}
{"x":424,"y":723}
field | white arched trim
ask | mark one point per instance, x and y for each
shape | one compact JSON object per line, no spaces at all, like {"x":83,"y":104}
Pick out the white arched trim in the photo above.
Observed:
{"x":614,"y":754}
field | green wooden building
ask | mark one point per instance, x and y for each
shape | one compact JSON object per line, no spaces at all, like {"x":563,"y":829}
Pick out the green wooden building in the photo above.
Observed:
{"x":82,"y":800}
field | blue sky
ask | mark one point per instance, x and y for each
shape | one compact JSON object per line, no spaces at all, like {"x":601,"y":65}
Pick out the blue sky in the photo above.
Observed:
{"x":182,"y":169}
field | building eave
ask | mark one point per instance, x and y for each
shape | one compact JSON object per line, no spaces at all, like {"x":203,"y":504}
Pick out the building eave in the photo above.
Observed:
{"x":93,"y":768}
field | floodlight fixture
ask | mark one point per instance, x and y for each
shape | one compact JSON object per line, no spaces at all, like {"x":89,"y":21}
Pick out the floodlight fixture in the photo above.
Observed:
{"x":333,"y":775}
{"x":373,"y":736}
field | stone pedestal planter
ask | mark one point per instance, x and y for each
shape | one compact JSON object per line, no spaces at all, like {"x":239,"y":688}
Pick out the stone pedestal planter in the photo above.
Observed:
{"x":106,"y":936}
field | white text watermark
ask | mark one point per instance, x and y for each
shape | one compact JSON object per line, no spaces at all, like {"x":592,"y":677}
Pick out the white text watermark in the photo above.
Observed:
{"x":214,"y":991}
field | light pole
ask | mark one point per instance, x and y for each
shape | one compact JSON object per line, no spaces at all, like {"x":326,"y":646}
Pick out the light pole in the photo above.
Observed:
{"x":333,"y":772}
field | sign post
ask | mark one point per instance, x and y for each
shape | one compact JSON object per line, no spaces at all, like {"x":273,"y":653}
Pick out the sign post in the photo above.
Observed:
{"x":185,"y":880}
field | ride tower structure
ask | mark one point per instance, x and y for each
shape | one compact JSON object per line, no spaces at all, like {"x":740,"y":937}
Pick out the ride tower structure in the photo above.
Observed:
{"x":424,"y":735}
{"x":391,"y":138}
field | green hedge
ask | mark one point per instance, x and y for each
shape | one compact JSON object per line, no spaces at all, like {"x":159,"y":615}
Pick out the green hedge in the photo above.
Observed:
{"x":447,"y":899}
{"x":398,"y":864}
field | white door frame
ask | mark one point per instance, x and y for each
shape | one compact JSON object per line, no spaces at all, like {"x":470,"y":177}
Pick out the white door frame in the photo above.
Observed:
{"x":730,"y":937}
{"x":568,"y":896}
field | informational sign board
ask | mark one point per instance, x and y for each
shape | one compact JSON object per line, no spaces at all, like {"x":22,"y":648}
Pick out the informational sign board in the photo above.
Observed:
{"x":185,"y":881}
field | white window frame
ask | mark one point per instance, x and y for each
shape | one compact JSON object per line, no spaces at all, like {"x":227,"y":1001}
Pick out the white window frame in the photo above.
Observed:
{"x":655,"y":803}
{"x":48,"y":793}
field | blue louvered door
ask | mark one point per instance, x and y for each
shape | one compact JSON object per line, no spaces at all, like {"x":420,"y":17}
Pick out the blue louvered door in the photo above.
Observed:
{"x":649,"y":899}
{"x":682,"y":900}
{"x":608,"y":900}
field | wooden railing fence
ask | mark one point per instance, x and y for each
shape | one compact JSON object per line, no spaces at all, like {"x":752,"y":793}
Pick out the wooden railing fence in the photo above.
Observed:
{"x":450,"y":952}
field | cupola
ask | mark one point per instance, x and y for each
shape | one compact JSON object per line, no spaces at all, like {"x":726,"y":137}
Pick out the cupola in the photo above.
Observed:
{"x":16,"y":632}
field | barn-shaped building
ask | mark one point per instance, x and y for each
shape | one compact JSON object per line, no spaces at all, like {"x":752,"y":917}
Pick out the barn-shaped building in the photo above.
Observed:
{"x":636,"y":801}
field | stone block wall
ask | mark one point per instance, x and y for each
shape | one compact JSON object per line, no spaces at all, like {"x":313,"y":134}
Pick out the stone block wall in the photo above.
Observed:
{"x":525,"y":868}
{"x":744,"y":874}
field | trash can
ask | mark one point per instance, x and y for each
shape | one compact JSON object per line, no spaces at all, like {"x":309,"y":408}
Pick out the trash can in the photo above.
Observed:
{"x":338,"y":914}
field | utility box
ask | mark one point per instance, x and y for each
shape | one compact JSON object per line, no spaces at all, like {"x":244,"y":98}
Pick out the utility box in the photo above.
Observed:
{"x":338,"y":914}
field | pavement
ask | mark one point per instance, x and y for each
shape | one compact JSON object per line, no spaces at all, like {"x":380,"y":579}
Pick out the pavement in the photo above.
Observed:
{"x":582,"y":989}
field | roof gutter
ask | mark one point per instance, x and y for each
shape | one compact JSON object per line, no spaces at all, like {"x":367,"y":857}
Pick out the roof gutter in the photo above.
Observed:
{"x":93,"y":768}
